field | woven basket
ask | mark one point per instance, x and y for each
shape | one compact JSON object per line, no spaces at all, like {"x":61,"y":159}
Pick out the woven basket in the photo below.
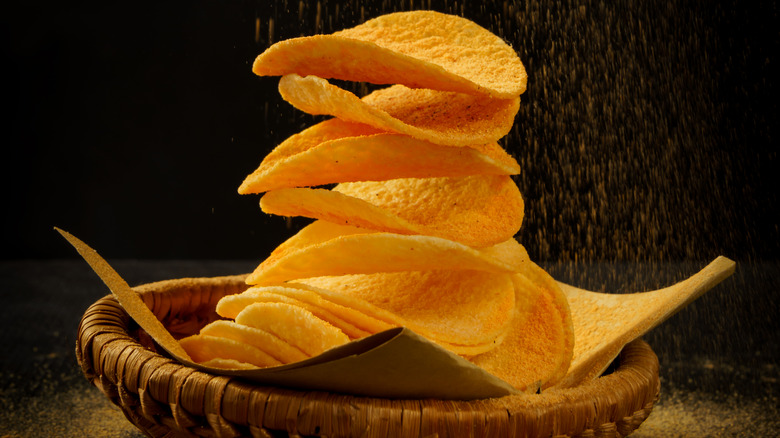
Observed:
{"x":164,"y":398}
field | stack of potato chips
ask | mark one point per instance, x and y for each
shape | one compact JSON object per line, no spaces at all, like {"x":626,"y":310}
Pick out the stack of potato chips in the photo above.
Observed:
{"x":416,"y":224}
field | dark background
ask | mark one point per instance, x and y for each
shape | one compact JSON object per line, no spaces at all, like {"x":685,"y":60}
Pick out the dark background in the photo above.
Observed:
{"x":648,"y":131}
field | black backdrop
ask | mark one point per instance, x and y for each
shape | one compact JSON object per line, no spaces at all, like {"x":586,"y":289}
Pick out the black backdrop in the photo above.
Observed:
{"x":647,"y":131}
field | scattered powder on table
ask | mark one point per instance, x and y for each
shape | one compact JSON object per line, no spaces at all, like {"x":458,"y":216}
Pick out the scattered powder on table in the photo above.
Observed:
{"x":78,"y":412}
{"x":60,"y":403}
{"x":696,"y":414}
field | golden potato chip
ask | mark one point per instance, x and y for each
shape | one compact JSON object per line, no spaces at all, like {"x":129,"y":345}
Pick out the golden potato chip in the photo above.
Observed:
{"x":456,"y":307}
{"x":374,"y":319}
{"x":260,"y":339}
{"x":377,"y":320}
{"x":538,"y":349}
{"x":361,"y":315}
{"x":297,"y":326}
{"x":440,"y":117}
{"x":386,"y":252}
{"x":203,"y":348}
{"x":315,"y":233}
{"x":478,"y":211}
{"x":376,"y":157}
{"x":388,"y":319}
{"x":468,"y":351}
{"x":421,"y":49}
{"x":313,"y":136}
{"x":231,"y":305}
{"x":332,"y":206}
{"x":539,"y":276}
{"x":227,"y":364}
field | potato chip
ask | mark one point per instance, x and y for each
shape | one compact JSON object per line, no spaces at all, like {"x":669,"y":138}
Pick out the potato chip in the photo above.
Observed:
{"x":538,"y":349}
{"x":203,"y":348}
{"x":541,"y":278}
{"x":227,"y":364}
{"x":231,"y":305}
{"x":468,"y":351}
{"x":386,"y":252}
{"x":388,"y":319}
{"x":456,"y":307}
{"x":440,"y":117}
{"x":267,"y":342}
{"x":313,"y":136}
{"x":378,"y":318}
{"x":315,"y":233}
{"x":478,"y":211}
{"x":376,"y":157}
{"x":372,"y":318}
{"x":360,"y":314}
{"x":421,"y":49}
{"x":332,"y":206}
{"x":297,"y":326}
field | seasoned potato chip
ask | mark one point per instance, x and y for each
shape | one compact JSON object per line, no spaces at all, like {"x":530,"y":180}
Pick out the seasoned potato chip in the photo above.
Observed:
{"x":457,"y":307}
{"x":231,"y":305}
{"x":260,"y":339}
{"x":420,"y":49}
{"x":478,"y":211}
{"x":538,"y":349}
{"x":315,"y":233}
{"x":564,"y":350}
{"x":374,"y":319}
{"x":440,"y":117}
{"x":227,"y":364}
{"x":362,"y":315}
{"x":386,"y":252}
{"x":332,"y":206}
{"x":325,"y":131}
{"x":380,"y":319}
{"x":388,"y":319}
{"x":297,"y":326}
{"x":375,"y":157}
{"x":203,"y":348}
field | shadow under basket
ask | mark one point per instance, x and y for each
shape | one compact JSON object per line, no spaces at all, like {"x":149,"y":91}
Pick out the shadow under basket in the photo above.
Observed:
{"x":162,"y":397}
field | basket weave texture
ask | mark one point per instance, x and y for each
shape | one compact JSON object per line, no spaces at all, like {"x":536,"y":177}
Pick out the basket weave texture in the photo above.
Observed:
{"x":164,"y":398}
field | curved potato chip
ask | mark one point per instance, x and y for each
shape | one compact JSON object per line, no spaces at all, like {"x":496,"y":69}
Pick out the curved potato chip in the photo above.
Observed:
{"x":361,"y":315}
{"x":538,"y":349}
{"x":420,"y":49}
{"x":315,"y":135}
{"x":441,"y":117}
{"x":230,"y":306}
{"x":386,"y":252}
{"x":227,"y":364}
{"x":297,"y":326}
{"x":478,"y":211}
{"x":376,"y":157}
{"x":456,"y":307}
{"x":385,"y":319}
{"x":319,"y":232}
{"x":205,"y":349}
{"x":391,"y":320}
{"x":260,"y":339}
{"x":315,"y":233}
{"x":332,"y":207}
{"x":539,"y":276}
